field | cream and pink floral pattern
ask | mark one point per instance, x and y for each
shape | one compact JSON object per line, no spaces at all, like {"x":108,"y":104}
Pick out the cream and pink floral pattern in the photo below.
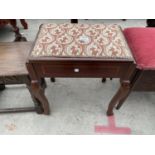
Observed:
{"x":81,"y":40}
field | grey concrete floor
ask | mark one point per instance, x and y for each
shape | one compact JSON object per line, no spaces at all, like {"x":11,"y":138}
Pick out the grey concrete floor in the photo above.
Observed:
{"x":77,"y":105}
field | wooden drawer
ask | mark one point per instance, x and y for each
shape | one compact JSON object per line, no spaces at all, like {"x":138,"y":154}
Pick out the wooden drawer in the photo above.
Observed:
{"x":81,"y":69}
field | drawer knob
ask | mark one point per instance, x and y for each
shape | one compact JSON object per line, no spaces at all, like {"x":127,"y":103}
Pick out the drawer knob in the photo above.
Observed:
{"x":76,"y":70}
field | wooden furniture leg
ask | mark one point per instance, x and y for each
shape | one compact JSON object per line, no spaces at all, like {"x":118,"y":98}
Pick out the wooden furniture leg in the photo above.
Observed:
{"x":38,"y":106}
{"x":43,"y":83}
{"x":74,"y":20}
{"x":2,"y":87}
{"x":122,"y":100}
{"x":23,"y":79}
{"x":104,"y":80}
{"x":121,"y":93}
{"x":37,"y":89}
{"x":37,"y":101}
{"x":13,"y":22}
{"x":150,"y":22}
{"x":24,"y":24}
{"x":38,"y":93}
{"x":52,"y":79}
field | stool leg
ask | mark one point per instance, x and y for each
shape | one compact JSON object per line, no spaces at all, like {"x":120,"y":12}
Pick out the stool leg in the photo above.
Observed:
{"x":150,"y":22}
{"x":2,"y":87}
{"x":37,"y":90}
{"x":43,"y":83}
{"x":37,"y":103}
{"x":38,"y":106}
{"x":103,"y":80}
{"x":38,"y":93}
{"x":24,"y":24}
{"x":74,"y":21}
{"x":13,"y":22}
{"x":121,"y":93}
{"x":122,"y":101}
{"x":52,"y":79}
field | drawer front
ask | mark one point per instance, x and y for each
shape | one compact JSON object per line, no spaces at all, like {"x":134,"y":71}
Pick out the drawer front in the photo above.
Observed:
{"x":80,"y":70}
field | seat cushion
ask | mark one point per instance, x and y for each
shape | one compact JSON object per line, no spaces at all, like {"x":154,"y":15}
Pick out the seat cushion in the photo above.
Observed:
{"x":81,"y":40}
{"x":142,"y":44}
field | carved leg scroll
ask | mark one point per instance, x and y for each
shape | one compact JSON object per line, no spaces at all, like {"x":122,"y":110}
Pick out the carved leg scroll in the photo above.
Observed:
{"x":121,"y":94}
{"x":38,"y":93}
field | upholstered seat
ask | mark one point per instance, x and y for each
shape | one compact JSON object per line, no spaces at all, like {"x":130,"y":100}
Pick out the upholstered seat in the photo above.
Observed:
{"x":81,"y":40}
{"x":142,"y":44}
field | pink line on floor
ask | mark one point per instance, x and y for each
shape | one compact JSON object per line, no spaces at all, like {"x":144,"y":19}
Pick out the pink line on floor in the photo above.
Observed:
{"x":112,"y":128}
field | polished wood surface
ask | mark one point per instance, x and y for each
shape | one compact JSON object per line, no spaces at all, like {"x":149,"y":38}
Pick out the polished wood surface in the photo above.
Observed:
{"x":87,"y":68}
{"x":13,"y":57}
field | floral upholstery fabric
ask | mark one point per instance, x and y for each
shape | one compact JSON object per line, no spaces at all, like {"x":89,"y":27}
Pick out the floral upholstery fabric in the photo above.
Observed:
{"x":81,"y":40}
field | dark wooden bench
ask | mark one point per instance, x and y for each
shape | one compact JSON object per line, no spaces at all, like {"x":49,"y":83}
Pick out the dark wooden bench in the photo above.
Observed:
{"x":13,"y":56}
